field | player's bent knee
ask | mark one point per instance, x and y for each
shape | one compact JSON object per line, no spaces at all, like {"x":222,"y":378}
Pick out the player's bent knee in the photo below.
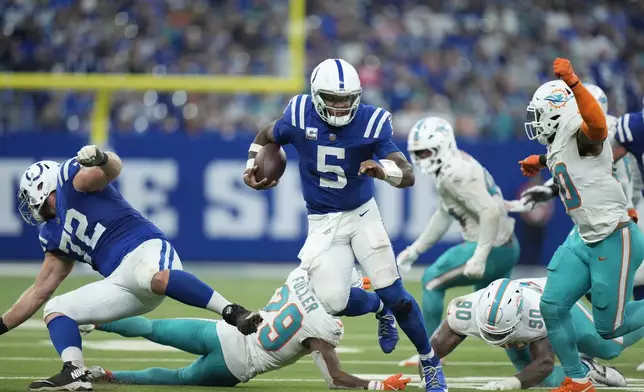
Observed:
{"x":334,"y":303}
{"x":54,"y":308}
{"x":159,"y":282}
{"x":552,"y":310}
{"x":396,"y":298}
{"x":145,"y":273}
{"x":381,"y":268}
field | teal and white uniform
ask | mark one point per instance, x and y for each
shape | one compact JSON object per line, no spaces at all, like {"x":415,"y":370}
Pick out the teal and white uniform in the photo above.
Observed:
{"x":461,"y":318}
{"x":227,"y":357}
{"x":467,"y":191}
{"x":601,"y":256}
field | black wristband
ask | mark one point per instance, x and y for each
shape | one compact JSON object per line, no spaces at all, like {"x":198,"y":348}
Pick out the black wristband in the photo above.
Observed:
{"x":3,"y":327}
{"x":574,"y":84}
{"x":543,"y":160}
{"x":104,"y":160}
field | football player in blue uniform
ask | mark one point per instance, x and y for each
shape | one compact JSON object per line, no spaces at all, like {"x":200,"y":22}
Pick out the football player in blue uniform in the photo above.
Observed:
{"x":82,"y":217}
{"x":337,"y":138}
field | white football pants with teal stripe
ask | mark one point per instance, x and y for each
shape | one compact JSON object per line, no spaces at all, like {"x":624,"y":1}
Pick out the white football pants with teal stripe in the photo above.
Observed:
{"x":605,"y":268}
{"x":588,"y":342}
{"x":447,"y":272}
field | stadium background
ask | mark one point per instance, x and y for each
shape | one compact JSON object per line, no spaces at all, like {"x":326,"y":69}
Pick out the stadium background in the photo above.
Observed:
{"x":179,"y":87}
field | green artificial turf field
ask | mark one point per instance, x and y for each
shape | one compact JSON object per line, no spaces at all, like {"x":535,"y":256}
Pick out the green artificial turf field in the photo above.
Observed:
{"x":27,"y":354}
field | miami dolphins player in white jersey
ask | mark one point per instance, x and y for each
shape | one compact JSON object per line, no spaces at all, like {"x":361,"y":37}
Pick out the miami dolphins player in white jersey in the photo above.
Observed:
{"x":506,"y":314}
{"x":469,"y":195}
{"x":604,"y":252}
{"x":82,"y":217}
{"x":295,"y":324}
{"x":337,"y":137}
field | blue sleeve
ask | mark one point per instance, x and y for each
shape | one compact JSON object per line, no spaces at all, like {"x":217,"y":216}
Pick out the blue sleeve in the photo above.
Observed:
{"x":47,"y":242}
{"x":293,"y":120}
{"x":630,"y":132}
{"x":383,"y":133}
{"x":67,"y":172}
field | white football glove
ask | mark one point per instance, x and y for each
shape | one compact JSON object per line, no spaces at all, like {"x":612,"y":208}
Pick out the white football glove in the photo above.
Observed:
{"x":474,"y":268}
{"x":517,"y":206}
{"x":502,"y":385}
{"x":90,"y":156}
{"x":406,"y":259}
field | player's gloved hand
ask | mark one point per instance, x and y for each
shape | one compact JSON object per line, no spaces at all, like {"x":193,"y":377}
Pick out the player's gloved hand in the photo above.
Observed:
{"x":531,"y":166}
{"x":632,"y":212}
{"x":245,"y":321}
{"x":372,"y":169}
{"x":366,"y":283}
{"x":91,"y":156}
{"x":537,"y":194}
{"x":563,"y":70}
{"x":502,"y":385}
{"x":3,"y":327}
{"x":393,"y":383}
{"x":251,"y":181}
{"x":474,"y":268}
{"x":406,"y":259}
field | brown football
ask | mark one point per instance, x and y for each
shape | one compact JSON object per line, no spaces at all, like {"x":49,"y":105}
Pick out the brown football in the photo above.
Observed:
{"x":271,"y":163}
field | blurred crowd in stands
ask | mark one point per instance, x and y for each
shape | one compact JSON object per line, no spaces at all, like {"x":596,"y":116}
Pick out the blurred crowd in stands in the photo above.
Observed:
{"x":474,"y":61}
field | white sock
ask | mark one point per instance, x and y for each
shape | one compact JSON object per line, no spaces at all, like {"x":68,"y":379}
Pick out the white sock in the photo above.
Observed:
{"x":380,"y":307}
{"x":217,"y":303}
{"x":72,"y":354}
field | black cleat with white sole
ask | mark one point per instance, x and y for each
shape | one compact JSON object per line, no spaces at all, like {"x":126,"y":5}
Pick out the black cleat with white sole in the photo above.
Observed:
{"x":71,"y":378}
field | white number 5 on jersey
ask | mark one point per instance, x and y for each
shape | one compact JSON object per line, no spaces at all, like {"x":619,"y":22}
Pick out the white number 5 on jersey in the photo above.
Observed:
{"x":323,"y":152}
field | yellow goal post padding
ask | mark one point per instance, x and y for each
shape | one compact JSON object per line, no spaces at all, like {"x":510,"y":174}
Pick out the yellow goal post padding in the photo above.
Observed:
{"x":105,"y":84}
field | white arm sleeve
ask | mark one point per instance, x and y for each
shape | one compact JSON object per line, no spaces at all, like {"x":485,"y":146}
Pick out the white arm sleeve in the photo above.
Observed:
{"x":473,"y":193}
{"x":435,"y":230}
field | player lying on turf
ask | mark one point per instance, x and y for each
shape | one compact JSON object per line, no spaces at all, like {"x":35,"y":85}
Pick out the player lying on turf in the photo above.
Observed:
{"x":82,"y":217}
{"x":604,"y":252}
{"x":337,"y":139}
{"x":506,"y":314}
{"x":468,"y":195}
{"x":295,"y":324}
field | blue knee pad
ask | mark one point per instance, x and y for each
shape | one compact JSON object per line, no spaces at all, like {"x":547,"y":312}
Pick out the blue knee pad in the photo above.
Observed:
{"x":396,"y":298}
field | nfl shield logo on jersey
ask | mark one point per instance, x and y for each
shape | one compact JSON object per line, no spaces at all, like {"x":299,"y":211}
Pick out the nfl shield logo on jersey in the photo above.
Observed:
{"x":311,"y":133}
{"x":332,"y":137}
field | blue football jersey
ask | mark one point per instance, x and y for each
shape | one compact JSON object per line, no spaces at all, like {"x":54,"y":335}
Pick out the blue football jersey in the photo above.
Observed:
{"x":330,"y":157}
{"x":630,"y":134}
{"x":97,"y":228}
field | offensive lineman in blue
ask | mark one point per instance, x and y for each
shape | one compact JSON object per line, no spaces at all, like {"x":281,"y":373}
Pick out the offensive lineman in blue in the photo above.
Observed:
{"x":83,"y":218}
{"x":337,"y":137}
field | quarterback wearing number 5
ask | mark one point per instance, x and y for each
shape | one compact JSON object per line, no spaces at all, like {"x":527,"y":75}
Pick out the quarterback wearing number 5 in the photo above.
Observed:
{"x":82,"y":217}
{"x":337,"y":138}
{"x":602,"y":255}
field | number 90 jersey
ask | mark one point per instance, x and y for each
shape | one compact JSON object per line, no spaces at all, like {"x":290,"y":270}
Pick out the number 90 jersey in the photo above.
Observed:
{"x":461,"y":314}
{"x":330,"y":157}
{"x":97,"y":228}
{"x":593,"y":197}
{"x":293,"y":315}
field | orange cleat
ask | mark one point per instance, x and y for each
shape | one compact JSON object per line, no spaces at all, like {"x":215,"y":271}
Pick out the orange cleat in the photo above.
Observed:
{"x":569,"y":385}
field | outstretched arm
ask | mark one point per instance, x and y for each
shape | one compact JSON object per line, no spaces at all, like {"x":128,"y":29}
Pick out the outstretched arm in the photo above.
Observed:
{"x":326,"y":359}
{"x":445,"y":340}
{"x":53,"y":271}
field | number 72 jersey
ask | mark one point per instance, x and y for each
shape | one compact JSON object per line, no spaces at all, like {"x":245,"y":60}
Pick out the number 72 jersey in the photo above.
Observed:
{"x":461,"y":314}
{"x":97,"y":228}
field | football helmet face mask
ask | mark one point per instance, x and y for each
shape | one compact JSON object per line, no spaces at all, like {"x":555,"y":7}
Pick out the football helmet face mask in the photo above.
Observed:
{"x":431,"y":144}
{"x":335,"y":91}
{"x":552,"y":105}
{"x":498,"y":312}
{"x":36,"y":184}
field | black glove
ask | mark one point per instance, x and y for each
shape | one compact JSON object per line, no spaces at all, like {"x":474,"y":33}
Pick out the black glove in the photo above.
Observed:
{"x":245,"y":321}
{"x":539,"y":194}
{"x":91,"y":156}
{"x":3,"y":327}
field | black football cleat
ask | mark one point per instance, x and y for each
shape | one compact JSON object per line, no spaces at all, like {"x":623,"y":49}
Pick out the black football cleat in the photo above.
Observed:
{"x":71,"y":378}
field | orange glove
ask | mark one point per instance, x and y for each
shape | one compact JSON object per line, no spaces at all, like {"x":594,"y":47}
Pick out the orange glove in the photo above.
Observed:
{"x":366,"y":283}
{"x":396,"y":383}
{"x":531,"y":166}
{"x":563,"y":70}
{"x":632,"y":212}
